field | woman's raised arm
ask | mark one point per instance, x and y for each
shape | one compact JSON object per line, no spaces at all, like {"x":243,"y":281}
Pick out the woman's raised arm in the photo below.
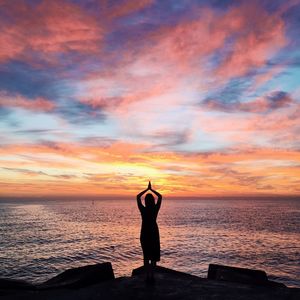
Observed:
{"x":139,"y":200}
{"x":159,"y":198}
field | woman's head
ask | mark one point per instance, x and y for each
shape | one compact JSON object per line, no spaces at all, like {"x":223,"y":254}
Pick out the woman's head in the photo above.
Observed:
{"x":149,"y":200}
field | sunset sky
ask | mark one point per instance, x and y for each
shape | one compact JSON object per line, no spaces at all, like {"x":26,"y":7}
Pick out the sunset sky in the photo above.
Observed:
{"x":201,"y":97}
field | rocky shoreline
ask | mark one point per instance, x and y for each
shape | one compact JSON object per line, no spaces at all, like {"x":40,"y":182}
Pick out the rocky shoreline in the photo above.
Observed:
{"x":98,"y":282}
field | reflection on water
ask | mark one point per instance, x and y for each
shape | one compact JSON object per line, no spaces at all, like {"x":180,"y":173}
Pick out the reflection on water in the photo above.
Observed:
{"x":39,"y":240}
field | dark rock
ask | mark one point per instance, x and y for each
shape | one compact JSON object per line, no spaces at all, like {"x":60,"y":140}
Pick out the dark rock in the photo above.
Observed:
{"x":227,"y":273}
{"x":163,"y":270}
{"x":169,"y":285}
{"x":13,"y":284}
{"x":80,"y":277}
{"x":241,"y":275}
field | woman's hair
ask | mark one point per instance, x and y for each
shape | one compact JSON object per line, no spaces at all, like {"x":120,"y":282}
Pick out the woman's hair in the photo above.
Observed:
{"x":149,"y":200}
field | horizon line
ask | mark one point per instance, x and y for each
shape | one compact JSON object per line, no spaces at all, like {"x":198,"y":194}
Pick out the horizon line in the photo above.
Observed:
{"x":127,"y":197}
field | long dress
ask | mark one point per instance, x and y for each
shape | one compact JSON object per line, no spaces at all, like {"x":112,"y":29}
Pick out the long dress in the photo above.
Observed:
{"x":149,"y":233}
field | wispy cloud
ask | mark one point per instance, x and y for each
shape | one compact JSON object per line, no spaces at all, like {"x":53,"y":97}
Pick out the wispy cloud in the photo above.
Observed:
{"x":272,"y":101}
{"x":18,"y":101}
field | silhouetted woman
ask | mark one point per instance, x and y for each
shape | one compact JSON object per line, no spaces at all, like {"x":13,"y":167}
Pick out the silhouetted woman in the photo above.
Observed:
{"x":149,"y":231}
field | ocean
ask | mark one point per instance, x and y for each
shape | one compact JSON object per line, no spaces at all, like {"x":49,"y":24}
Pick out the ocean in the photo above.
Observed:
{"x":39,"y":239}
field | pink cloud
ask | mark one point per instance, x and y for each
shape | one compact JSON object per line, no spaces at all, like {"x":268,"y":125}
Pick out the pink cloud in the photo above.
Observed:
{"x":48,"y":27}
{"x":55,"y":26}
{"x":259,"y":36}
{"x":255,"y":36}
{"x":127,"y":7}
{"x":176,"y":53}
{"x":97,"y":96}
{"x":189,"y":40}
{"x":153,"y":83}
{"x":38,"y":104}
{"x":278,"y":127}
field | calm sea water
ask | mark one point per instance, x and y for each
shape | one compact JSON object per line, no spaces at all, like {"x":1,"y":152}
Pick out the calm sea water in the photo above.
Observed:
{"x":40,"y":239}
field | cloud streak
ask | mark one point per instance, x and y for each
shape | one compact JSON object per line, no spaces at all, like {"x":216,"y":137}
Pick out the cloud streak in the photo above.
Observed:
{"x":18,"y":101}
{"x":275,"y":100}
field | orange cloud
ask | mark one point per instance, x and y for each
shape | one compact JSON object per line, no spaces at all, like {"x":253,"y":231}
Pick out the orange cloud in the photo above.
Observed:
{"x":123,"y":168}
